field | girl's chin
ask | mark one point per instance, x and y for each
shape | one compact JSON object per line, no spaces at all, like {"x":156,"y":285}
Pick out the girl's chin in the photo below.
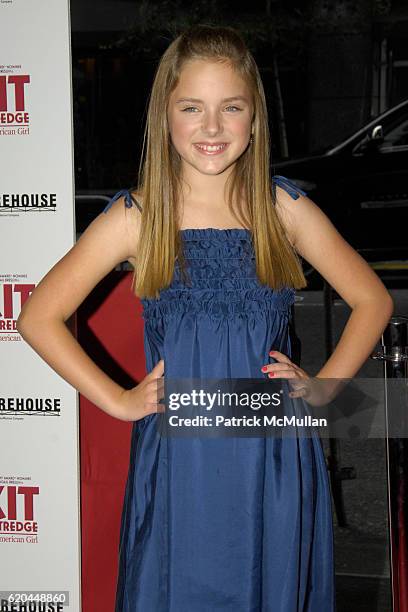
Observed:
{"x":219,"y":166}
{"x":208,"y":165}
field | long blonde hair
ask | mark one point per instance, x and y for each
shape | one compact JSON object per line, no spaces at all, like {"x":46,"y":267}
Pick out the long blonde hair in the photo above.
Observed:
{"x":159,"y":243}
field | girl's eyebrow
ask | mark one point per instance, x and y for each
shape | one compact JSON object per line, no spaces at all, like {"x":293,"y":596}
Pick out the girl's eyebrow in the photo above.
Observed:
{"x":197,"y":101}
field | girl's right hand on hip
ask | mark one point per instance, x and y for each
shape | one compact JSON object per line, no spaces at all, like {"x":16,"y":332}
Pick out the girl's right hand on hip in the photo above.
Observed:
{"x":136,"y":403}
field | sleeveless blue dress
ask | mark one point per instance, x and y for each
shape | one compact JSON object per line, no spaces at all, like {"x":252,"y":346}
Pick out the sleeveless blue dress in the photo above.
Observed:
{"x":227,"y":524}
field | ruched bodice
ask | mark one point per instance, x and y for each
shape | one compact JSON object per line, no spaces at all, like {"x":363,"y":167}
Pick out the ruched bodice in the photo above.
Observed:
{"x":222,"y":279}
{"x":226,"y":524}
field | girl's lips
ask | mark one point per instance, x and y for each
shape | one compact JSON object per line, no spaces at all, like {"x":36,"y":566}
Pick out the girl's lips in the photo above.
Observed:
{"x":203,"y":149}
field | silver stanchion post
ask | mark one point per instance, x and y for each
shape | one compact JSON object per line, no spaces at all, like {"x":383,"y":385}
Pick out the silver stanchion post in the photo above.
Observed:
{"x":394,"y":354}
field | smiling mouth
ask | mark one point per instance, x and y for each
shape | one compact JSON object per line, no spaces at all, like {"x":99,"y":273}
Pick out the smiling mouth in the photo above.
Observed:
{"x":211,"y":149}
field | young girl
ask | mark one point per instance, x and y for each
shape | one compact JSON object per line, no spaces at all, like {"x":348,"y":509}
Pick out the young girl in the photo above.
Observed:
{"x":227,"y":524}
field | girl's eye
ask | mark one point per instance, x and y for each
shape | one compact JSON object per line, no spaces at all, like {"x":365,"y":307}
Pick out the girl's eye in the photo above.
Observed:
{"x":193,"y":108}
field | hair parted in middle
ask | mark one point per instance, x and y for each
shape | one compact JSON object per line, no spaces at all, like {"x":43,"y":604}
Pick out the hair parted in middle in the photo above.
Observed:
{"x":159,"y":180}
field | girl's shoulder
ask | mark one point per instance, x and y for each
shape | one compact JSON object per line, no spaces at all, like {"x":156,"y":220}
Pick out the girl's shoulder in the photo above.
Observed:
{"x":132,"y":200}
{"x":288,"y":185}
{"x":130,"y":197}
{"x":288,"y":190}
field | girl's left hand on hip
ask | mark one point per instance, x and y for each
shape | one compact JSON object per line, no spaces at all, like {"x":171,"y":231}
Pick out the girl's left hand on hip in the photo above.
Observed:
{"x":316,"y":391}
{"x":285,"y":368}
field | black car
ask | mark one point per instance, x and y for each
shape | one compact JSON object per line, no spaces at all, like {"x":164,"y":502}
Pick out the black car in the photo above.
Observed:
{"x":362,"y":184}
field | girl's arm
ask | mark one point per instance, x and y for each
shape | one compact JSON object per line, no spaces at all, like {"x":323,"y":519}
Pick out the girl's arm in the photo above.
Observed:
{"x":318,"y":242}
{"x":109,"y":240}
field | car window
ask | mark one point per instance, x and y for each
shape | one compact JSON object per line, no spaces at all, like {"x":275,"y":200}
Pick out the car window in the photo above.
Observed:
{"x":397,"y":136}
{"x":395,"y":133}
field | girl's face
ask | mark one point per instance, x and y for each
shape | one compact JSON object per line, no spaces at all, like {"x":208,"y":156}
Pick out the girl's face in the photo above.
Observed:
{"x":209,"y":116}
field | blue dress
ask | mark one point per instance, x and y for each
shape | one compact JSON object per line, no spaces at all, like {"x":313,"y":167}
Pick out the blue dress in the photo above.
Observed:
{"x":222,"y":524}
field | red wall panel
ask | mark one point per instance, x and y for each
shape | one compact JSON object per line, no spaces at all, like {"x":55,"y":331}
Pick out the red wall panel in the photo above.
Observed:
{"x":110,"y":329}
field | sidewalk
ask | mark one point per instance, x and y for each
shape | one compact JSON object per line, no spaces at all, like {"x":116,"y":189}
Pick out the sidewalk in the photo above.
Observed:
{"x":361,"y":548}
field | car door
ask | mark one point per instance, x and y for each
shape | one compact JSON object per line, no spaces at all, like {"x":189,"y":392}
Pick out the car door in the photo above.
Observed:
{"x":375,"y":190}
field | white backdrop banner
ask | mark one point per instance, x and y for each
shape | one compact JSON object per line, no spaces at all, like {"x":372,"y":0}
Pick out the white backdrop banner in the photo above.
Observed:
{"x":39,"y":456}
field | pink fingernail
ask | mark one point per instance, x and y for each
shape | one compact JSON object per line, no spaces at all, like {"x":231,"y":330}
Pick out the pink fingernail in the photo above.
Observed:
{"x":271,"y":374}
{"x":264,"y":368}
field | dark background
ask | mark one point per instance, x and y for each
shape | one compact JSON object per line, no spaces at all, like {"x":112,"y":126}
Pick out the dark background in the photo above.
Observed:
{"x":328,"y":67}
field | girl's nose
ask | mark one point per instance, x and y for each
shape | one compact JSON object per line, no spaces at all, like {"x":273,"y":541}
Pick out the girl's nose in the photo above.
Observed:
{"x":212,"y":123}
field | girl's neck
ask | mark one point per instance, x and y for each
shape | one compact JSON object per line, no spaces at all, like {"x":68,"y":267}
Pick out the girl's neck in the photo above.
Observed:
{"x":205,"y":190}
{"x":207,"y":207}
